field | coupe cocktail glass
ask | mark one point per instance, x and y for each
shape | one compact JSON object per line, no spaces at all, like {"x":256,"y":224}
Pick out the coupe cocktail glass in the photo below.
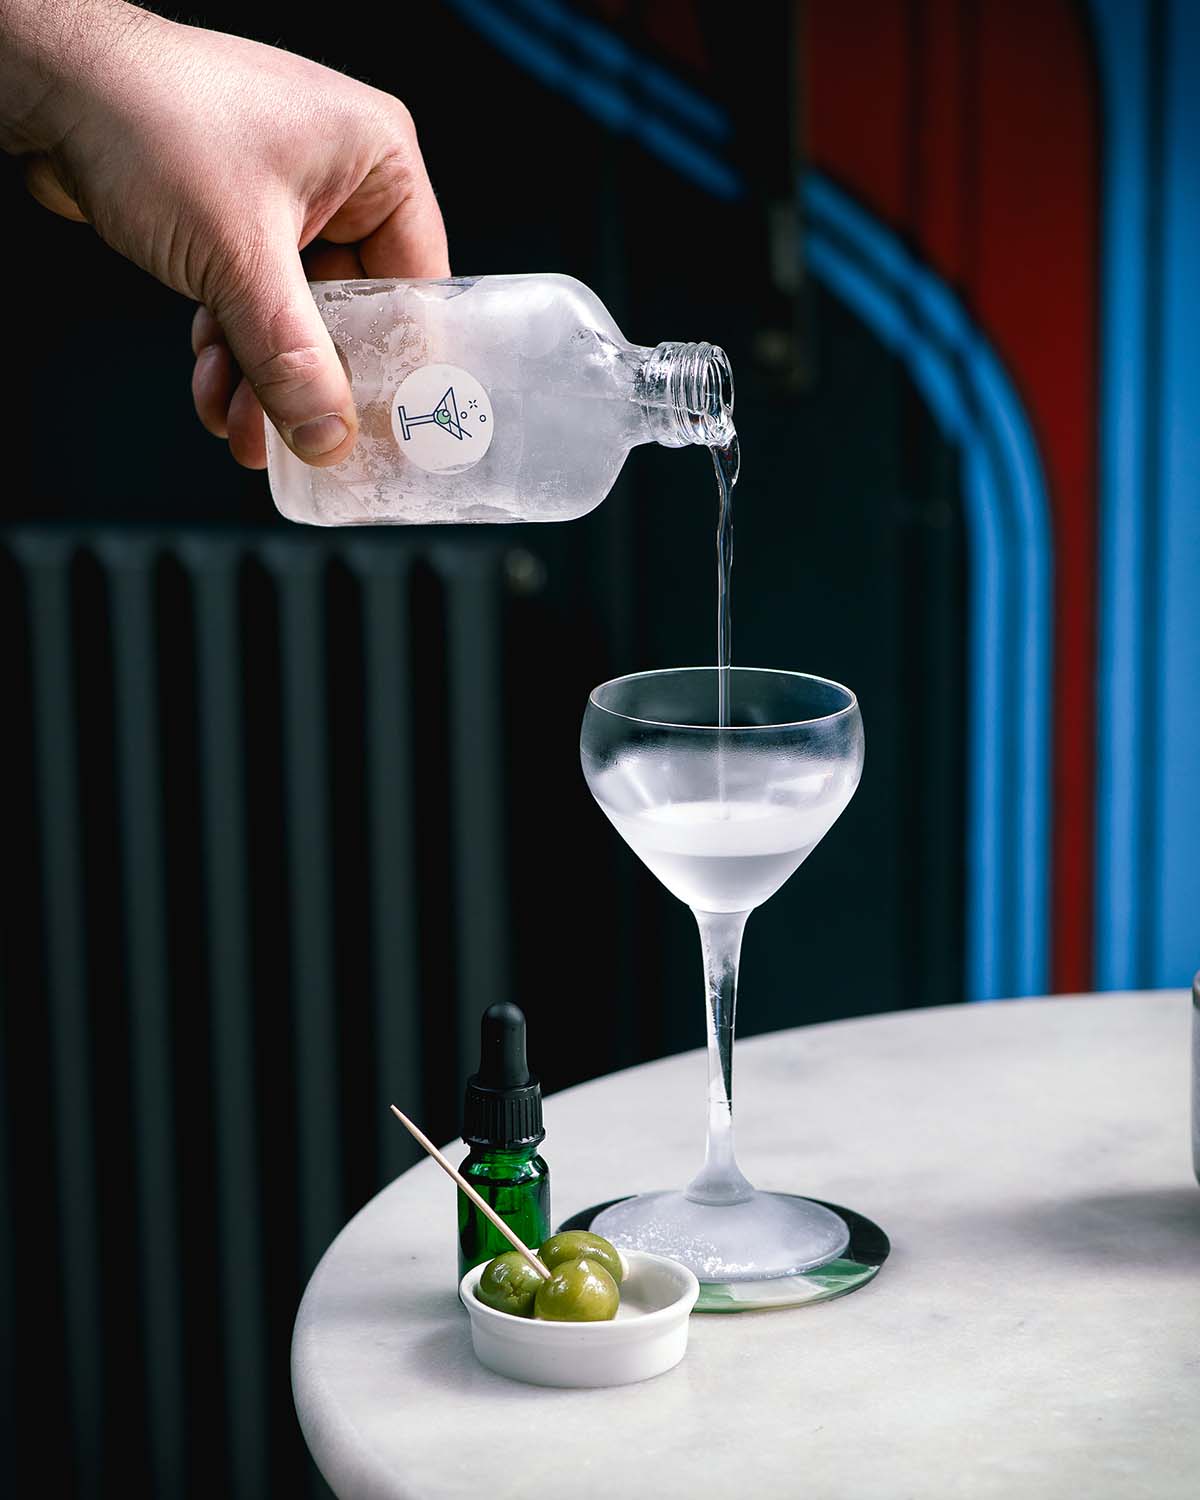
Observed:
{"x":723,"y":815}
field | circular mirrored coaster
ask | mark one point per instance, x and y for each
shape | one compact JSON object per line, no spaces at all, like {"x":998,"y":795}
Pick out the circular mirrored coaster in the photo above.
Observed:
{"x":866,"y":1250}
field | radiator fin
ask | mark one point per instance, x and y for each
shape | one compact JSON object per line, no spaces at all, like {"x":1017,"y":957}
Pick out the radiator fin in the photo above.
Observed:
{"x":239,"y":749}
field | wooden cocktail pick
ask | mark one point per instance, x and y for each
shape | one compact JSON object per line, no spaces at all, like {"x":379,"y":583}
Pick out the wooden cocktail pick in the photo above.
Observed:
{"x":514,"y":1240}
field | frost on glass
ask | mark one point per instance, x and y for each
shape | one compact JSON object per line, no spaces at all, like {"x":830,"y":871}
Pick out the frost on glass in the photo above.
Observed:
{"x":563,"y":384}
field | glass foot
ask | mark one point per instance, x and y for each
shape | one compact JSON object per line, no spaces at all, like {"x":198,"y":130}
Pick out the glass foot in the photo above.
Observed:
{"x":855,"y":1268}
{"x":768,"y":1236}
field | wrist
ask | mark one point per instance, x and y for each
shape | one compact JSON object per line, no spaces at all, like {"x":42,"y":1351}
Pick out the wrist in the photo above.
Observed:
{"x":54,"y":54}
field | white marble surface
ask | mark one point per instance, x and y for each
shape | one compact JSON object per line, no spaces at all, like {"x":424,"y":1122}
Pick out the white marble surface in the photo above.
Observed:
{"x":1035,"y":1333}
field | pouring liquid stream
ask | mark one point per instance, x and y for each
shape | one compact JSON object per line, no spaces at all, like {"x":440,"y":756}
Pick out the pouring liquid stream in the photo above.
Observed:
{"x":726,"y":462}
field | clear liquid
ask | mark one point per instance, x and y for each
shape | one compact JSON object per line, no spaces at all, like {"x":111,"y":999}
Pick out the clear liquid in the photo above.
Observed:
{"x":714,"y":854}
{"x":726,"y":462}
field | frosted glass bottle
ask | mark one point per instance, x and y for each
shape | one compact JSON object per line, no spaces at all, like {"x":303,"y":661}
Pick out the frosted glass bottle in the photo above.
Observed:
{"x":494,"y":398}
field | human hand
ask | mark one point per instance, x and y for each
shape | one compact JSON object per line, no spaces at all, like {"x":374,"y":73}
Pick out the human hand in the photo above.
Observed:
{"x":211,"y":162}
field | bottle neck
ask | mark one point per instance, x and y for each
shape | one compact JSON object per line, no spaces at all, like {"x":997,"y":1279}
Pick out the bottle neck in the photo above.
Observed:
{"x":501,"y":1156}
{"x":687,"y":393}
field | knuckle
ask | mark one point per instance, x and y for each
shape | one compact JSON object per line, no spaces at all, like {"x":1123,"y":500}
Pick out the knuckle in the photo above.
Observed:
{"x":392,"y":176}
{"x":404,"y":124}
{"x":397,"y":117}
{"x":272,"y":338}
{"x":287,"y":370}
{"x":395,"y":133}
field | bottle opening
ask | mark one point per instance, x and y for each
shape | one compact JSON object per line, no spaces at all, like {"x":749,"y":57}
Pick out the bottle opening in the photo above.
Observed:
{"x":687,"y":390}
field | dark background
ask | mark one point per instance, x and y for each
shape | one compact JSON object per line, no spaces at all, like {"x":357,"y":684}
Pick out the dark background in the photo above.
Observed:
{"x":127,"y":1249}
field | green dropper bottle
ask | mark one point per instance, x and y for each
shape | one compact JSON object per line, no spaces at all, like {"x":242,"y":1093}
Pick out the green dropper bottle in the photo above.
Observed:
{"x":502,"y":1125}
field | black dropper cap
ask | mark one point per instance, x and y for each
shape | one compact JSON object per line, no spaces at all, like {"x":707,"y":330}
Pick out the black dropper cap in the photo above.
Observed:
{"x":503,"y":1105}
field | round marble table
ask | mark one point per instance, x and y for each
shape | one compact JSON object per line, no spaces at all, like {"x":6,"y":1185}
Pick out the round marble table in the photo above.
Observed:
{"x":1035,"y":1333}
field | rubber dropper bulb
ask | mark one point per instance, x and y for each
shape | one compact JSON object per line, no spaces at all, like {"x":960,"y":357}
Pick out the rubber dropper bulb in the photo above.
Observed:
{"x":502,"y":1059}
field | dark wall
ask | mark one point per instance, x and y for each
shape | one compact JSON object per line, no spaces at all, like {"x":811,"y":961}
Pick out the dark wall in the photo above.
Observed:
{"x":849,"y":563}
{"x":848,"y":547}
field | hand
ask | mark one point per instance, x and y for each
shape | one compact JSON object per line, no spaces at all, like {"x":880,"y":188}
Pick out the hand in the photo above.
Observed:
{"x":211,"y":162}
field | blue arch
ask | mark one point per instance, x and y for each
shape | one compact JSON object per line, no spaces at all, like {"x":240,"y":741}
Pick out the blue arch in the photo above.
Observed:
{"x":629,"y":94}
{"x":1148,"y":724}
{"x":1010,"y":617}
{"x":973,"y":400}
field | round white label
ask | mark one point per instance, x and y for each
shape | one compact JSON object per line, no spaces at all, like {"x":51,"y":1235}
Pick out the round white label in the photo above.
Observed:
{"x":442,"y":418}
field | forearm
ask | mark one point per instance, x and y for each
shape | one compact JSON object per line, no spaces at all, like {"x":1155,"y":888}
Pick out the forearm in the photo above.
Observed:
{"x":54,"y":56}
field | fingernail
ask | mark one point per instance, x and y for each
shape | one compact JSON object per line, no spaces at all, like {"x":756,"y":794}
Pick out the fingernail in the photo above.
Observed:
{"x":321,"y":435}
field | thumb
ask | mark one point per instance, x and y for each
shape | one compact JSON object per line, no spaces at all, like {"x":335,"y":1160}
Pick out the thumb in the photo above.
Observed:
{"x":275,"y":333}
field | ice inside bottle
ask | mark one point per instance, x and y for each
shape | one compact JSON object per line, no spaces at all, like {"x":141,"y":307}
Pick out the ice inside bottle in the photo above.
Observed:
{"x":496,"y":398}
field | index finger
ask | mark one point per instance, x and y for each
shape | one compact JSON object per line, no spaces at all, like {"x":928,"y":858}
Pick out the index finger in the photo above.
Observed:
{"x":411,"y":241}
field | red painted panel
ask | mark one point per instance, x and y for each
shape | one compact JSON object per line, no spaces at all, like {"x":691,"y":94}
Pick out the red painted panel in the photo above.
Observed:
{"x":856,"y":91}
{"x":940,"y":218}
{"x":1036,"y":293}
{"x":672,"y":25}
{"x":973,"y":130}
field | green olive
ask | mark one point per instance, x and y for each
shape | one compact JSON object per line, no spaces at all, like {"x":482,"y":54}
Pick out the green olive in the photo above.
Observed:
{"x":580,"y":1291}
{"x":509,"y":1284}
{"x":572,"y":1243}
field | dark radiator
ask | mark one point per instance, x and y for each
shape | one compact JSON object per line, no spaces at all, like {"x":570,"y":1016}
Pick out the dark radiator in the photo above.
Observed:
{"x":254,"y":888}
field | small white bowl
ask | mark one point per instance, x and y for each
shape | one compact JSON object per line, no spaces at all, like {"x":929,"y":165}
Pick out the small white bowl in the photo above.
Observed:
{"x":647,"y":1336}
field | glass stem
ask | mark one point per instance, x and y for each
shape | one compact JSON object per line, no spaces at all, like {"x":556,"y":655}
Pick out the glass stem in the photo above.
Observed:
{"x":720,"y":1181}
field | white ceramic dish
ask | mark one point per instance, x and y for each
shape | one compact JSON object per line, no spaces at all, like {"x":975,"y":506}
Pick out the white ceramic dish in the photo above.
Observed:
{"x":647,"y":1337}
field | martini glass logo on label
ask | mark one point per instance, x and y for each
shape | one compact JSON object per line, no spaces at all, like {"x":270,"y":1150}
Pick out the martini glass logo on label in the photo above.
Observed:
{"x":442,"y":419}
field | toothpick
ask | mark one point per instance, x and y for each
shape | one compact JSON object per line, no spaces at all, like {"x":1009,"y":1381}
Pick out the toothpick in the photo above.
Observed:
{"x":513,"y":1239}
